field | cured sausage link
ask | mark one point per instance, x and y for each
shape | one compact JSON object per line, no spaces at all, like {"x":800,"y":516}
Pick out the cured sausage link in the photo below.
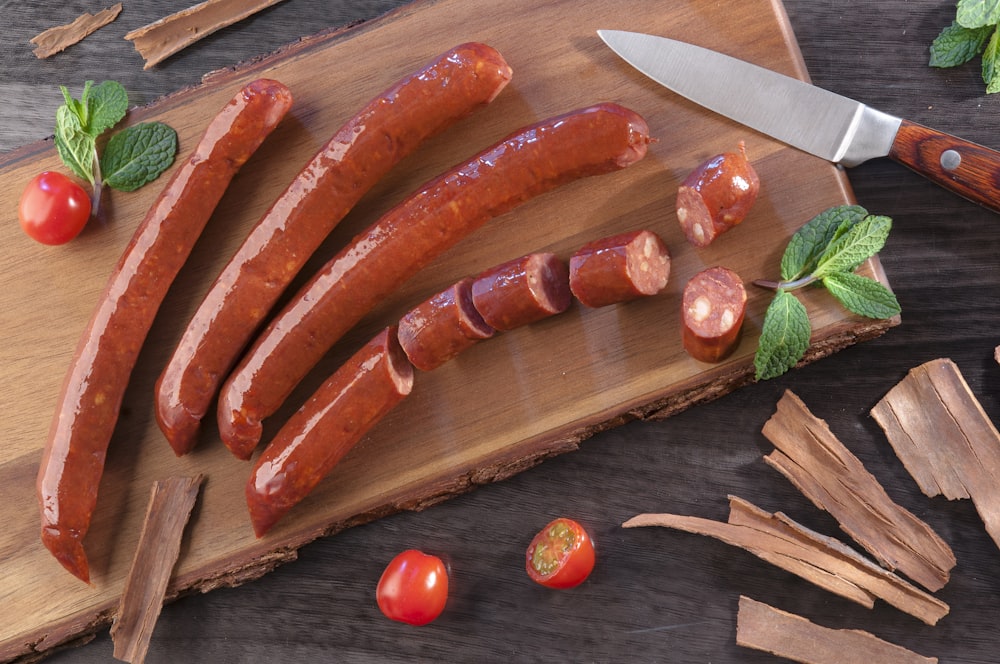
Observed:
{"x":328,"y":425}
{"x":390,"y":127}
{"x":442,"y":326}
{"x":598,"y":139}
{"x":88,"y":406}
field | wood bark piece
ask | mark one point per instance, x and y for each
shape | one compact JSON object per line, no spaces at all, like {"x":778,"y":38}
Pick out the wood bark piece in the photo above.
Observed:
{"x":819,"y":465}
{"x":821,"y":560}
{"x":161,"y":39}
{"x":170,"y":504}
{"x":944,"y":438}
{"x":763,"y":627}
{"x":59,"y":38}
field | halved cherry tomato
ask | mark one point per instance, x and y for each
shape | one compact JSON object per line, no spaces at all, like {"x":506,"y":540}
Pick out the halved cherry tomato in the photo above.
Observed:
{"x":561,"y":555}
{"x":413,"y":588}
{"x":54,"y":208}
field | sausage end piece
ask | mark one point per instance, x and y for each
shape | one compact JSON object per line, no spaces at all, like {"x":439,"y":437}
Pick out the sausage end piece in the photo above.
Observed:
{"x":717,"y":196}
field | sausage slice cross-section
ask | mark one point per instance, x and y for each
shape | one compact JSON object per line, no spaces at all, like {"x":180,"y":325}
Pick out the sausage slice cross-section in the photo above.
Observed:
{"x":713,"y":307}
{"x":619,"y":268}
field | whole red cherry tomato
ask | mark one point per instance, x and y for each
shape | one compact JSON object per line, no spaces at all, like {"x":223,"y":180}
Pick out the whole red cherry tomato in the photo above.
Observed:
{"x":413,"y":588}
{"x":54,"y":208}
{"x":561,"y":555}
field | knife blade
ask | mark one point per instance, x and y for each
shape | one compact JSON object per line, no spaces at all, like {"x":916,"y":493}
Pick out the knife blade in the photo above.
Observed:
{"x":820,"y":122}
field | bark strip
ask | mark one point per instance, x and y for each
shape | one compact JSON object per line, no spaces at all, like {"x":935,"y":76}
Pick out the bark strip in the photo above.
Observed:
{"x":59,"y":38}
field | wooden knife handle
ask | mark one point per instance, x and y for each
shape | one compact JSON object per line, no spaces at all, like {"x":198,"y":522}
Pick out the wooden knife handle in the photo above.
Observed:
{"x":968,"y":169}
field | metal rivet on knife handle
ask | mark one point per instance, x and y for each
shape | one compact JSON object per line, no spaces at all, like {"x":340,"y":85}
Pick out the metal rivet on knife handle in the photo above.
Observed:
{"x":970,"y":170}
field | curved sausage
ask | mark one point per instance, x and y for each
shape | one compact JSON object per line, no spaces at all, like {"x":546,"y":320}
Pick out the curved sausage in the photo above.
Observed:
{"x":717,"y":196}
{"x":536,"y":159}
{"x":328,"y":425}
{"x":441,"y":327}
{"x":712,"y":311}
{"x":91,"y":397}
{"x":619,"y":268}
{"x":522,"y":291}
{"x":386,"y":130}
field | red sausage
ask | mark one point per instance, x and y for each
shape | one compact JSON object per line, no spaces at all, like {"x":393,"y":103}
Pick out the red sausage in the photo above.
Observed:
{"x":91,"y":397}
{"x":522,"y":291}
{"x":619,"y":268}
{"x":717,"y":196}
{"x":386,"y":130}
{"x":441,"y":327}
{"x":328,"y":425}
{"x":713,"y":306}
{"x":598,"y":139}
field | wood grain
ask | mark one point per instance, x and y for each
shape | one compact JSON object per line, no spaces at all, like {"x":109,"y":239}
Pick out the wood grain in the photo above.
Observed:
{"x":549,"y":386}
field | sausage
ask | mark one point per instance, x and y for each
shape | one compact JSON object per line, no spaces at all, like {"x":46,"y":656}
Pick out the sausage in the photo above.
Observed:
{"x":441,"y":327}
{"x":717,"y":196}
{"x":712,"y":309}
{"x":386,"y":130}
{"x":88,"y":406}
{"x":590,"y":141}
{"x":522,"y":291}
{"x":619,"y":268}
{"x":326,"y":427}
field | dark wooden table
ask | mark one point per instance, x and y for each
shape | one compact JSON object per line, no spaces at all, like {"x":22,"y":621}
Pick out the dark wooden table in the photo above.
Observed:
{"x":655,"y":595}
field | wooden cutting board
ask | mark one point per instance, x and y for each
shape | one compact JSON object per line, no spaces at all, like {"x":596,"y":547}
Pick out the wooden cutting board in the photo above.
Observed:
{"x":501,"y":407}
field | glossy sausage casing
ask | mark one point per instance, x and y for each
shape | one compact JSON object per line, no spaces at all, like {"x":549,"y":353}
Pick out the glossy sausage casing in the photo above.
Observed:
{"x":533,"y":160}
{"x":344,"y":408}
{"x":87,"y":410}
{"x":390,"y":127}
{"x":442,"y":326}
{"x":713,"y":307}
{"x":522,"y":291}
{"x":619,"y":268}
{"x":717,"y":196}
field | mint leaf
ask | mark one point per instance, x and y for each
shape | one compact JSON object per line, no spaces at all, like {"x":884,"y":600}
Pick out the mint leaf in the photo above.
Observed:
{"x":809,"y":242}
{"x":138,"y":155}
{"x":784,"y":336}
{"x":853,"y":248}
{"x":106,"y":105}
{"x":861,"y":295}
{"x":957,"y":45}
{"x":76,"y":147}
{"x":977,"y":13}
{"x":991,"y":63}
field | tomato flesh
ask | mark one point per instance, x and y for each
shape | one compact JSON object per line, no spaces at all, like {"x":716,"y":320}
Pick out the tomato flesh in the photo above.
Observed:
{"x":53,"y":208}
{"x":561,"y":555}
{"x":413,"y":588}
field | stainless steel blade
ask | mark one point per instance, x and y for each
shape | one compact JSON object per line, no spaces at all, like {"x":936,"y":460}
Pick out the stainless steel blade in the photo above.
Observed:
{"x":818,"y":121}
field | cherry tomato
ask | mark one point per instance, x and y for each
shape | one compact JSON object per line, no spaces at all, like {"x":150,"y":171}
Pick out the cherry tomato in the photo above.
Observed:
{"x":54,"y":208}
{"x":413,"y":588}
{"x":561,"y":555}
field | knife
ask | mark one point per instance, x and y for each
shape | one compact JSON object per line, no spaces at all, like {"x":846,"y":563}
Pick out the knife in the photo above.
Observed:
{"x":809,"y":118}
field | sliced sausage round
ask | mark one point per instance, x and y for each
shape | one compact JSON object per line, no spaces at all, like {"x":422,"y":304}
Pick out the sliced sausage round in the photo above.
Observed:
{"x":713,"y":307}
{"x":619,"y":268}
{"x":441,"y":327}
{"x":522,"y":291}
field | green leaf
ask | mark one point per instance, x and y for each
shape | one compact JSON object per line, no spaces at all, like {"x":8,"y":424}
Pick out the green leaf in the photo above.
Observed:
{"x":138,"y":155}
{"x":991,"y":63}
{"x":863,"y":296}
{"x":107,"y":104}
{"x":76,"y":147}
{"x":977,"y":13}
{"x":854,"y":247}
{"x":957,"y":45}
{"x":809,"y":242}
{"x":784,"y":336}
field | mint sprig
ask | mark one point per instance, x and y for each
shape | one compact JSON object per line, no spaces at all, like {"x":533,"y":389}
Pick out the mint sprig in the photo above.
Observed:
{"x":826,"y":251}
{"x":130,"y":159}
{"x":975,"y":31}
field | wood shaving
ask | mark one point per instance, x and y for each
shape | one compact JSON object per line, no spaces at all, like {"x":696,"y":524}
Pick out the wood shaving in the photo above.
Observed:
{"x":59,"y":38}
{"x":159,"y":40}
{"x":170,"y":504}
{"x":819,"y":465}
{"x":763,"y":627}
{"x":944,"y":438}
{"x":816,"y":558}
